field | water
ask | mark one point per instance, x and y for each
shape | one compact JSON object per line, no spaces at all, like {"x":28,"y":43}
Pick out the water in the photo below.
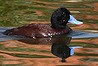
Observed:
{"x":17,"y":13}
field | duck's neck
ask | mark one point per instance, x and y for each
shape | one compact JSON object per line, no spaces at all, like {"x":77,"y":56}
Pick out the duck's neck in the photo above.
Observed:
{"x":58,"y":26}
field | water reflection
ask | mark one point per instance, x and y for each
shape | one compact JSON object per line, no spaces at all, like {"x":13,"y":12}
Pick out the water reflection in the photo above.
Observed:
{"x":60,"y":49}
{"x":59,"y":46}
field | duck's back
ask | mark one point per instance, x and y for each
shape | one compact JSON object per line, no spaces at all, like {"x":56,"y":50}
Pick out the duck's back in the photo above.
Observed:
{"x":37,"y":30}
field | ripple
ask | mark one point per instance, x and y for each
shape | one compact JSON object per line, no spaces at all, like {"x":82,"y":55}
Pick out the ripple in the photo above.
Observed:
{"x":89,"y":59}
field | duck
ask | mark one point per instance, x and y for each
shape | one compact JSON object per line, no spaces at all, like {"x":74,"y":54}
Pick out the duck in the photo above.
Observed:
{"x":59,"y":19}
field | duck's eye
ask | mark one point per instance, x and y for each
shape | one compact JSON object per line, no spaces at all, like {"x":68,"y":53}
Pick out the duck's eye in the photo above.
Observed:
{"x":64,"y":17}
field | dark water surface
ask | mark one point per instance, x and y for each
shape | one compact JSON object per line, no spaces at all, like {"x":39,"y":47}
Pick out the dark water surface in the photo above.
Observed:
{"x":35,"y":52}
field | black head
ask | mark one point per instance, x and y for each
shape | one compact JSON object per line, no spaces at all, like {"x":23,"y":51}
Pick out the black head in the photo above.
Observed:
{"x":60,"y":18}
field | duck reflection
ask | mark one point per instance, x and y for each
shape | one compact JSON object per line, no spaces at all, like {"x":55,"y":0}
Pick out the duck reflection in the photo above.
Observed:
{"x":59,"y":46}
{"x":60,"y":49}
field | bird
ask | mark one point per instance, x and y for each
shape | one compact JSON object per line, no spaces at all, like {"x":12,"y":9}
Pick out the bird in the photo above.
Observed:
{"x":59,"y":19}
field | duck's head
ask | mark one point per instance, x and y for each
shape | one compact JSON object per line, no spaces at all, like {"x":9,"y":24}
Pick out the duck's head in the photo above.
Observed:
{"x":61,"y":17}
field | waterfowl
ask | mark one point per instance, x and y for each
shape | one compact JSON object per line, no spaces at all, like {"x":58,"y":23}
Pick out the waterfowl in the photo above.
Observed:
{"x":59,"y":20}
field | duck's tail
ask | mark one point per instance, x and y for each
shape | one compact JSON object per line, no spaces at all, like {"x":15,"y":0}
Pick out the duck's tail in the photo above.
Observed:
{"x":5,"y":37}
